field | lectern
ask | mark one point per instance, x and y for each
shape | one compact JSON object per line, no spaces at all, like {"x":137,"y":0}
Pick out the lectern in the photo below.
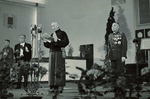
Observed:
{"x":145,"y":45}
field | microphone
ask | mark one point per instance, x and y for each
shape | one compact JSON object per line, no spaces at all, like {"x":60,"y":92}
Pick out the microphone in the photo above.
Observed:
{"x":39,"y":28}
{"x":31,"y":29}
{"x":135,"y":40}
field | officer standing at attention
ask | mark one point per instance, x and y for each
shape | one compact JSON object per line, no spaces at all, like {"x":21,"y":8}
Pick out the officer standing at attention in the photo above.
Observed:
{"x":117,"y":49}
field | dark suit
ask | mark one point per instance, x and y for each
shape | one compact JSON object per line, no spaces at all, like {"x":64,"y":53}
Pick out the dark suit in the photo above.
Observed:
{"x":26,"y":55}
{"x":117,"y":49}
{"x":9,"y":57}
{"x":26,"y":58}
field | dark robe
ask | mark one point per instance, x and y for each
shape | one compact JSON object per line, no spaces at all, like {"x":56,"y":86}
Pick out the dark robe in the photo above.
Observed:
{"x":56,"y":60}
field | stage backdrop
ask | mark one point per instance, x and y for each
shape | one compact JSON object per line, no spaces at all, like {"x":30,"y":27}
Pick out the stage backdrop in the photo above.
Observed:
{"x":83,"y":20}
{"x":85,"y":23}
{"x":16,"y":19}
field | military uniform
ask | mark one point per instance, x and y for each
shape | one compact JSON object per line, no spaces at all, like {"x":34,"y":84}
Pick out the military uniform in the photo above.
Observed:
{"x":117,"y":47}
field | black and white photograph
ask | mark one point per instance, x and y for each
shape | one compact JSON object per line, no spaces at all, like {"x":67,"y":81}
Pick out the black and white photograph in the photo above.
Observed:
{"x":75,"y":49}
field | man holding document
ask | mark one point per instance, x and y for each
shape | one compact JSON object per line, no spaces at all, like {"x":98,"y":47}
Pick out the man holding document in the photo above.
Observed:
{"x":55,"y":42}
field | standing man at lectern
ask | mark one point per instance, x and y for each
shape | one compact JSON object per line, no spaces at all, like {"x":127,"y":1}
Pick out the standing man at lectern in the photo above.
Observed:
{"x":56,"y":41}
{"x":117,"y":47}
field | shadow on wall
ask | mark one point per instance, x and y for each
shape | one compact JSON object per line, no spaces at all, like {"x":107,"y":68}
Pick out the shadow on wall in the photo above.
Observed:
{"x":103,"y":49}
{"x":123,"y":25}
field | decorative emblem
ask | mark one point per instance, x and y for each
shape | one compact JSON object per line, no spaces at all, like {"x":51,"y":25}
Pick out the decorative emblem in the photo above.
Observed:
{"x":115,"y":39}
{"x":115,"y":42}
{"x":148,"y":33}
{"x":120,"y":37}
{"x":119,"y":42}
{"x":140,"y":35}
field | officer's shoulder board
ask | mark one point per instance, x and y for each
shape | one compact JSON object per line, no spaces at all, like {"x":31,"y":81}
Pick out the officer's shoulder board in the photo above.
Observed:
{"x":121,"y":33}
{"x":110,"y":34}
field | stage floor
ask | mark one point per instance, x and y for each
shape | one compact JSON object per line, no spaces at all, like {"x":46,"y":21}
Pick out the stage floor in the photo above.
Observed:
{"x":70,"y":92}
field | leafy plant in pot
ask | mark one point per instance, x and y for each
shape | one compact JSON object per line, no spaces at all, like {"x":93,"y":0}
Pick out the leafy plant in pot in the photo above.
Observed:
{"x":89,"y":80}
{"x":145,"y":73}
{"x":5,"y":81}
{"x":32,"y":70}
{"x":121,"y":83}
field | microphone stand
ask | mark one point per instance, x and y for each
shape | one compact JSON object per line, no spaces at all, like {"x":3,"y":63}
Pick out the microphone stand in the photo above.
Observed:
{"x":137,"y":69}
{"x":34,"y":84}
{"x":31,"y":85}
{"x":39,"y":29}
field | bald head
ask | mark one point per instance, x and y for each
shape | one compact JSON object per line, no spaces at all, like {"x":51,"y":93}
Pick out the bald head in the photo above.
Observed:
{"x":55,"y":26}
{"x":115,"y":27}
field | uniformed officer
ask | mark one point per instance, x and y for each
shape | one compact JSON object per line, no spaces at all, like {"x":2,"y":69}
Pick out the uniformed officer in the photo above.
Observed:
{"x":117,"y":47}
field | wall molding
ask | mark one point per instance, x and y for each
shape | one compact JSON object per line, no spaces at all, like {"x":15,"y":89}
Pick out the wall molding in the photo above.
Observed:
{"x":24,"y":3}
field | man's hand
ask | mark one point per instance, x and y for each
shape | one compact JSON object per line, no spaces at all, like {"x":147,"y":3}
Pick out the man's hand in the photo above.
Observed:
{"x":26,"y":48}
{"x":123,"y":59}
{"x":47,"y":41}
{"x":55,"y":37}
{"x":5,"y":53}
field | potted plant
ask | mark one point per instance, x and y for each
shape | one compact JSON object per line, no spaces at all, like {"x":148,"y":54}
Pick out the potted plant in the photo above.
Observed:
{"x":102,"y":75}
{"x":36,"y":75}
{"x":121,"y":83}
{"x":90,"y":79}
{"x":70,"y":50}
{"x":5,"y":81}
{"x":145,"y":73}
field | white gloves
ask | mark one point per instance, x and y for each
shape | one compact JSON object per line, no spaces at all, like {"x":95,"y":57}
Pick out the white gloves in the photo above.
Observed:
{"x":123,"y":59}
{"x":26,"y":48}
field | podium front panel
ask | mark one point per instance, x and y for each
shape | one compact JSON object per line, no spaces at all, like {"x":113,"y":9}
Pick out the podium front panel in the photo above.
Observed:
{"x":71,"y":67}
